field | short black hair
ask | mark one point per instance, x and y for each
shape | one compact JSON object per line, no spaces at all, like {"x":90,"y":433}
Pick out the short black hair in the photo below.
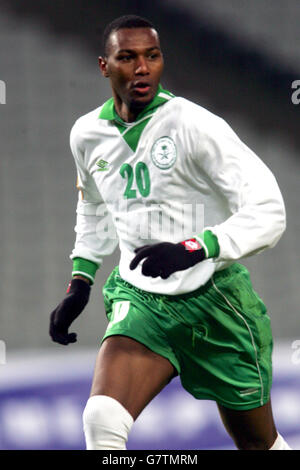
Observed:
{"x":126,"y":21}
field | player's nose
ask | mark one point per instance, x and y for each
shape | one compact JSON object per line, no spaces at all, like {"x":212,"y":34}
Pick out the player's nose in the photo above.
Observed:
{"x":141,"y":66}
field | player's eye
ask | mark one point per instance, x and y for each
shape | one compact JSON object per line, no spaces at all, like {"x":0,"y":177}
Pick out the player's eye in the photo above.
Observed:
{"x":153,"y":56}
{"x":125,"y":58}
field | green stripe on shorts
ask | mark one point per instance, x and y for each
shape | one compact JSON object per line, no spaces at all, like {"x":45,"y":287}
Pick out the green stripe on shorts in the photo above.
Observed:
{"x":217,"y":337}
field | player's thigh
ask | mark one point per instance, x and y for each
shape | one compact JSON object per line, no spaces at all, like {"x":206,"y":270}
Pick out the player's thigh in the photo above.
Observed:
{"x":253,"y":428}
{"x":130,"y":372}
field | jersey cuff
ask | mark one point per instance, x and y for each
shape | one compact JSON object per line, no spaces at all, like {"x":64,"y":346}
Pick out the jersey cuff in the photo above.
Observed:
{"x":85,"y":268}
{"x":210,"y":243}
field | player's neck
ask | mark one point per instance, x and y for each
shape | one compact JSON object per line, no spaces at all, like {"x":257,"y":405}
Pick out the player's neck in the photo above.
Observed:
{"x":126,"y":113}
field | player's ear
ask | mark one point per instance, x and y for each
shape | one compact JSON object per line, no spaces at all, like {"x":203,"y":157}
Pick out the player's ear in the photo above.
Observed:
{"x":103,"y":66}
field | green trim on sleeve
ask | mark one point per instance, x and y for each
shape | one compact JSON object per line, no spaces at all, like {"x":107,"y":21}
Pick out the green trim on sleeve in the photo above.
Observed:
{"x":210,"y":242}
{"x":85,"y":268}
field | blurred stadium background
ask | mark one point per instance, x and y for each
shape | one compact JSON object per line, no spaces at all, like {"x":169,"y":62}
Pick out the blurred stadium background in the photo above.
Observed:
{"x":238,"y":59}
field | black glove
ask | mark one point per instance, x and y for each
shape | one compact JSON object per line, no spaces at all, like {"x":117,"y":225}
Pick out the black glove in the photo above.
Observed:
{"x":65,"y":313}
{"x":163,"y":259}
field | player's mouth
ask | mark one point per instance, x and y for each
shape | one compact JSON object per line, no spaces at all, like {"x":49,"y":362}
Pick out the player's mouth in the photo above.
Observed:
{"x":142,"y":88}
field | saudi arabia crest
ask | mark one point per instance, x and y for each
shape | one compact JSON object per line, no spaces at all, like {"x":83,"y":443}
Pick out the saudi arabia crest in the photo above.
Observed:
{"x":163,"y":152}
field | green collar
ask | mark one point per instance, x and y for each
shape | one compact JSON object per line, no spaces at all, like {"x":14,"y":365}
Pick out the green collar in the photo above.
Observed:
{"x":109,"y":113}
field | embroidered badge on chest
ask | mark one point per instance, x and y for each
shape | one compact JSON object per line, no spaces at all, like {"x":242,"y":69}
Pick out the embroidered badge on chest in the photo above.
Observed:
{"x":164,"y":153}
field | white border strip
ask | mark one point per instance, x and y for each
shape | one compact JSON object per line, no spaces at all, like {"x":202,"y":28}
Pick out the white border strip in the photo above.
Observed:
{"x":164,"y":95}
{"x":251,"y":336}
{"x":84,"y":274}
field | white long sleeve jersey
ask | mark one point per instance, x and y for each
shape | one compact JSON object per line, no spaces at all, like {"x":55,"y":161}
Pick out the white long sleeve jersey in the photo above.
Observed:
{"x":173,"y":173}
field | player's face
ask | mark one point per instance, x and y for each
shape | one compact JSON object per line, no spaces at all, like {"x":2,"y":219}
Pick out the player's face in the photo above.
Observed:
{"x":134,"y":65}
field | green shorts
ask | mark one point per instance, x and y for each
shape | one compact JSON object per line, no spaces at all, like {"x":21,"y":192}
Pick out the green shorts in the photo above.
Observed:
{"x":217,"y":337}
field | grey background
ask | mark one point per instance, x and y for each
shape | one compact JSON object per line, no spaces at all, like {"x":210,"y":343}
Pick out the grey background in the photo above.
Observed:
{"x":238,"y":61}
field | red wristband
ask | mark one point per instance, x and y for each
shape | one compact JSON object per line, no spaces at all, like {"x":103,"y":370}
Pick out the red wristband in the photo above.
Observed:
{"x":68,"y":288}
{"x":191,"y":244}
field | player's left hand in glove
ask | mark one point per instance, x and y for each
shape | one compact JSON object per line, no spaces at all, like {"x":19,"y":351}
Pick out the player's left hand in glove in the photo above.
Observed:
{"x":163,"y":259}
{"x":77,"y":297}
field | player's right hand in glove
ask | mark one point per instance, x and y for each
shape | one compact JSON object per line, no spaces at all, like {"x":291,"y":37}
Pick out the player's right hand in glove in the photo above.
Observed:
{"x":77,"y":297}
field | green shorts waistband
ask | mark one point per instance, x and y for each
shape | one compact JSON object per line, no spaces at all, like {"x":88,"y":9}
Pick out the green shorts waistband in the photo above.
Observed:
{"x":235,"y":268}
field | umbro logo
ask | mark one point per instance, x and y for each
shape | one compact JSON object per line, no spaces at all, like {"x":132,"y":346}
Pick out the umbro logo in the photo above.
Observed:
{"x":103,"y":165}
